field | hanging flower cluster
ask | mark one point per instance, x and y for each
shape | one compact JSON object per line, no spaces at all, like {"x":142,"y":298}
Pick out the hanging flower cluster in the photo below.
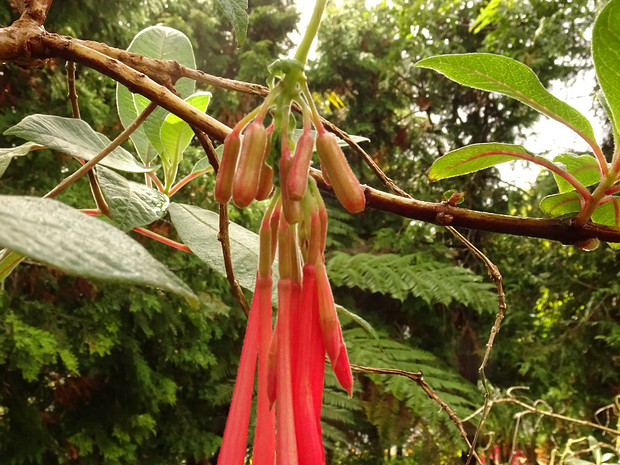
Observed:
{"x":291,"y":356}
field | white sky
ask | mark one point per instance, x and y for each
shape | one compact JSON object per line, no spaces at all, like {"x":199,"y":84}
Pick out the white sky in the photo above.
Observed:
{"x":547,"y":135}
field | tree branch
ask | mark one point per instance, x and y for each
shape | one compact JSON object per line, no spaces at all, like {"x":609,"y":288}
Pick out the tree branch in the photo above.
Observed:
{"x":418,"y":378}
{"x":22,"y":42}
{"x":444,"y":214}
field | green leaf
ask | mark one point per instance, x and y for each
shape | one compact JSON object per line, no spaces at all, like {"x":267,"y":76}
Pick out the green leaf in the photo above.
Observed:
{"x":477,"y":157}
{"x":131,"y":204}
{"x":561,"y":204}
{"x":8,"y":262}
{"x":585,"y":168}
{"x":6,"y":155}
{"x":202,"y":165}
{"x":76,"y":138}
{"x":54,"y":233}
{"x":199,"y":228}
{"x":495,"y":73}
{"x":608,"y":213}
{"x":176,"y":134}
{"x":605,"y":46}
{"x":161,"y":43}
{"x":236,"y":12}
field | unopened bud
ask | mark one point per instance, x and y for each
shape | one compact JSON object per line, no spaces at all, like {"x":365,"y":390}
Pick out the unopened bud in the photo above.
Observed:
{"x":346,"y":186}
{"x":245,"y":182}
{"x":265,"y":182}
{"x":297,"y":179}
{"x":224,"y":180}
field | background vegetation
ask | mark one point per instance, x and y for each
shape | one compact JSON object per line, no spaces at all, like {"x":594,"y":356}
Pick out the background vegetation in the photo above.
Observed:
{"x":96,"y":373}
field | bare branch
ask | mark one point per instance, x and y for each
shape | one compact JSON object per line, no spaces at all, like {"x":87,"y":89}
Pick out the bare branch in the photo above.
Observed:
{"x":418,"y":378}
{"x":444,"y":214}
{"x":496,"y":276}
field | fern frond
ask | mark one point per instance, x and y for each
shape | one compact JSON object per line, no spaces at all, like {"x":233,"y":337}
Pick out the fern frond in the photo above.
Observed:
{"x":401,"y":276}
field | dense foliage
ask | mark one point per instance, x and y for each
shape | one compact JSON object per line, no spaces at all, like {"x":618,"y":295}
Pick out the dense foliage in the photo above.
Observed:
{"x":92,"y":372}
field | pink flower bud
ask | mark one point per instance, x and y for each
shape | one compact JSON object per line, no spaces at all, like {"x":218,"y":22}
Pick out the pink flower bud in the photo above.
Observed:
{"x":290,"y":207}
{"x":265,"y":182}
{"x":346,"y":186}
{"x":245,"y":182}
{"x":297,"y":178}
{"x":224,"y":180}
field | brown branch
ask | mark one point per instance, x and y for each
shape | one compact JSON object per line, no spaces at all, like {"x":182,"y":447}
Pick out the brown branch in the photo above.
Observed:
{"x":102,"y":205}
{"x":557,"y":416}
{"x":224,"y":239}
{"x":496,"y":276}
{"x":223,"y":235}
{"x":444,"y":214}
{"x":418,"y":378}
{"x":22,"y":42}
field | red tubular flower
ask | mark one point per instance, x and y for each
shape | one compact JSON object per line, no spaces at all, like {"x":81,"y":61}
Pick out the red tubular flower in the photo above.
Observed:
{"x":297,"y":179}
{"x":311,"y":361}
{"x":236,"y":431}
{"x":286,"y":443}
{"x":264,"y":439}
{"x":226,"y":173}
{"x":346,"y":186}
{"x":332,"y":334}
{"x":245,"y":182}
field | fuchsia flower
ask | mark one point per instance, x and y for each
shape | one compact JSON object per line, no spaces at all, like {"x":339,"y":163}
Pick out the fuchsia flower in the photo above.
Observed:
{"x":291,"y":356}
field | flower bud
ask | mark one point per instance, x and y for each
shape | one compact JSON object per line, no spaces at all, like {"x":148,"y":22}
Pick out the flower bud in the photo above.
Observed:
{"x":346,"y":186}
{"x":224,"y":180}
{"x":290,"y":207}
{"x":297,"y":179}
{"x":265,"y":182}
{"x":245,"y":182}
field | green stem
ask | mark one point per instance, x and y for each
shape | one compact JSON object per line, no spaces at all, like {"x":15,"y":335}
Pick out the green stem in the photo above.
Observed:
{"x":591,"y":204}
{"x":313,"y":27}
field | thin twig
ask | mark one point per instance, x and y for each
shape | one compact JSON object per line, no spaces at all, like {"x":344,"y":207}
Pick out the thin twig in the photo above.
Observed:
{"x":223,"y":235}
{"x":557,"y":416}
{"x":102,"y":205}
{"x":71,"y":92}
{"x":207,"y":146}
{"x":496,"y":276}
{"x":366,"y":158}
{"x":418,"y":378}
{"x":224,"y":239}
{"x":122,"y":137}
{"x":162,"y":239}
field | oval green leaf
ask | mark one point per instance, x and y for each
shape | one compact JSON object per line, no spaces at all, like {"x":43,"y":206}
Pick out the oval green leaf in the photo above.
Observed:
{"x":585,"y":168}
{"x":161,"y":43}
{"x":236,"y":12}
{"x":608,"y":213}
{"x":199,"y":228}
{"x":54,"y":233}
{"x":477,"y":157}
{"x":176,"y":134}
{"x":6,"y":155}
{"x":131,"y":204}
{"x":496,"y":73}
{"x":561,"y":204}
{"x":76,"y":138}
{"x":605,"y":46}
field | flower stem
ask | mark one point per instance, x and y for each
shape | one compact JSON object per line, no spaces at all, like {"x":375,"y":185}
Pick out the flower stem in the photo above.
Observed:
{"x":311,"y":31}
